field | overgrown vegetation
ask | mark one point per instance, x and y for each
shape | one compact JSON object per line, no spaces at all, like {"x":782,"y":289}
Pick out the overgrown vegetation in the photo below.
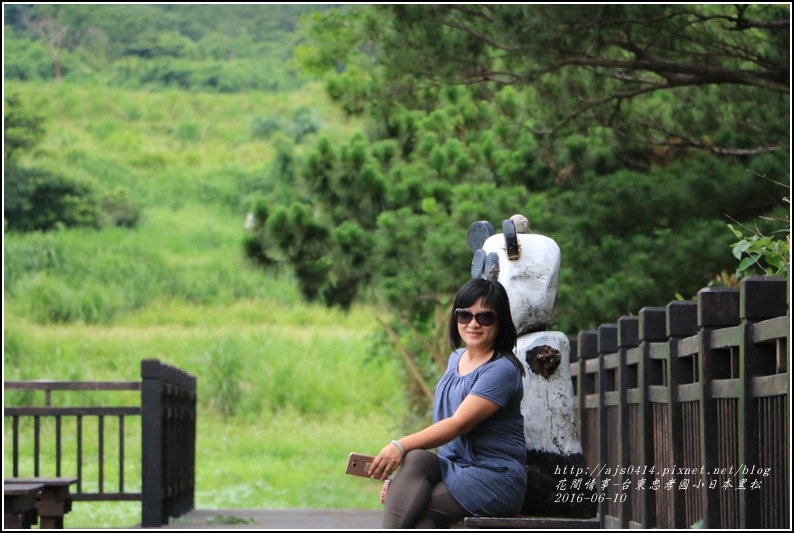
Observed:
{"x":207,"y":48}
{"x":768,"y":254}
{"x":37,"y":199}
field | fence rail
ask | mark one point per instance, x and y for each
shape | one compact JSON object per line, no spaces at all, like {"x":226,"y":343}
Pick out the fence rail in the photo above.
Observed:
{"x":683,"y":410}
{"x":167,"y":415}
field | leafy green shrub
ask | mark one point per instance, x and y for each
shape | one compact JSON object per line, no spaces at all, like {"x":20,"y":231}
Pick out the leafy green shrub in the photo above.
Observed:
{"x":766,"y":247}
{"x":36,"y":199}
{"x":23,"y":128}
{"x":264,"y":127}
{"x":162,"y":43}
{"x":770,"y":253}
{"x":304,"y":122}
{"x":120,"y":209}
{"x":206,"y":75}
{"x":41,"y":200}
{"x":29,"y":60}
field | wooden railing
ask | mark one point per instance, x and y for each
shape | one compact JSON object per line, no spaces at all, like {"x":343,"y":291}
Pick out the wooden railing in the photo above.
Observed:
{"x":166,"y":411}
{"x":683,"y":411}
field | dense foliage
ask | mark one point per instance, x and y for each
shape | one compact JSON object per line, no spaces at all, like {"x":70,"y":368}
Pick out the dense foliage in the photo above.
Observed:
{"x":461,"y":103}
{"x":630,"y":134}
{"x":34,"y":198}
{"x":203,"y":47}
{"x":669,"y":75}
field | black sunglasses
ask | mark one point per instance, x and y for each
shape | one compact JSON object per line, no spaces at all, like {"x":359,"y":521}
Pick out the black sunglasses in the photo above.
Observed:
{"x":483,"y":318}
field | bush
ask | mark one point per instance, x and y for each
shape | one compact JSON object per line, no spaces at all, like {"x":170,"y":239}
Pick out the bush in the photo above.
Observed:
{"x":41,"y":200}
{"x":304,"y":122}
{"x":120,"y":210}
{"x":23,"y":128}
{"x":28,"y":60}
{"x":265,"y":127}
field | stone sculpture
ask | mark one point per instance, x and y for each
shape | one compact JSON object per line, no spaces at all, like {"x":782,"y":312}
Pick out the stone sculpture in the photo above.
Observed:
{"x":528,"y":265}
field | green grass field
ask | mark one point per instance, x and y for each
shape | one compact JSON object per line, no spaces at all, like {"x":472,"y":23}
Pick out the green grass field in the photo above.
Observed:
{"x":308,"y":396}
{"x":286,"y":389}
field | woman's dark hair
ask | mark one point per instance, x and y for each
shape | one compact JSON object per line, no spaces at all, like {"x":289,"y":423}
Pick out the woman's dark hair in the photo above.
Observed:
{"x":494,"y":297}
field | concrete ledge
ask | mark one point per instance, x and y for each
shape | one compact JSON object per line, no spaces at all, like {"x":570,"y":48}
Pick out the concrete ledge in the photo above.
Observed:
{"x":278,"y":519}
{"x":530,"y":522}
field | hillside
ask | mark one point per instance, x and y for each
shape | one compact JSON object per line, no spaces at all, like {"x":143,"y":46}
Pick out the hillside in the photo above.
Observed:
{"x":88,"y":304}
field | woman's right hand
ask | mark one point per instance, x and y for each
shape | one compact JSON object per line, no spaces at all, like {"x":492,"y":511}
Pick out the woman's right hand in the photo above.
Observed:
{"x":386,"y":462}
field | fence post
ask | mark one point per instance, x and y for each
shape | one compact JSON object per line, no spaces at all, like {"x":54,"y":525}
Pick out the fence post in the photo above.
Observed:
{"x":180,"y":437}
{"x":607,"y":456}
{"x":587,"y":400}
{"x":717,"y":308}
{"x":651,"y":329}
{"x":152,"y":444}
{"x":681,"y":324}
{"x":627,"y":338}
{"x":760,"y":298}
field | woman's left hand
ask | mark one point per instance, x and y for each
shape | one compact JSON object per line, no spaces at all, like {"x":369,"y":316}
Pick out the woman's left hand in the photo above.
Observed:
{"x":386,"y":462}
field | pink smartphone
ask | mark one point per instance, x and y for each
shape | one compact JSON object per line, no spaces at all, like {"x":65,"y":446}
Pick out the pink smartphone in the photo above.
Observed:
{"x":358,"y":464}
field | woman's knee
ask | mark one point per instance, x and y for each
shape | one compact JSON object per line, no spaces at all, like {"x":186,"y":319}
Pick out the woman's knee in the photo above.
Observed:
{"x":421,"y":461}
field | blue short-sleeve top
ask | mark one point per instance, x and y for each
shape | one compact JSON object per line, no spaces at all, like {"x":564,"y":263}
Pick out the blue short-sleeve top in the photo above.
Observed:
{"x":485,"y":470}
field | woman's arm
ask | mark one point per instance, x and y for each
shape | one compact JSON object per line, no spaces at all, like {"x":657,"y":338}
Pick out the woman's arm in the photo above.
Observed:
{"x":469,"y":414}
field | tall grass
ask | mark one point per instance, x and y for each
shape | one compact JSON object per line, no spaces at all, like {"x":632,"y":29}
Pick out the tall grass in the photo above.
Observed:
{"x":307,"y":396}
{"x":286,"y":389}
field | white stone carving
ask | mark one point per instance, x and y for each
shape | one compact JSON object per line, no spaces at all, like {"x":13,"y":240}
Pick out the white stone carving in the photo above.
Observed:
{"x":547,"y":406}
{"x":531,"y":280}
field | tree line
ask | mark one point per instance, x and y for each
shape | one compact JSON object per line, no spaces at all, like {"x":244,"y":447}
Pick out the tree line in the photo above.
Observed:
{"x":220,"y":48}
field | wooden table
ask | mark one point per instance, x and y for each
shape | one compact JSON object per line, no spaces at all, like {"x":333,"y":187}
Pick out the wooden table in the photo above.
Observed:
{"x":19,"y":505}
{"x":53,"y":501}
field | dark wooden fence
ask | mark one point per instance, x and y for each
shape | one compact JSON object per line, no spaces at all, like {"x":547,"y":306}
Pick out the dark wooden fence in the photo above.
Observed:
{"x":683,"y":411}
{"x":167,"y":416}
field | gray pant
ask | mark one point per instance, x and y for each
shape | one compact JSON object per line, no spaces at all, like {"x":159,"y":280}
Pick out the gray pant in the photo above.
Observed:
{"x":417,"y":497}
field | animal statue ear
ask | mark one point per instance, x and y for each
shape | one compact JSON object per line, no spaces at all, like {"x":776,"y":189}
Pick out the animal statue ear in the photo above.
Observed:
{"x":492,"y":266}
{"x":478,"y":264}
{"x":511,"y":239}
{"x":478,"y":233}
{"x":485,"y":265}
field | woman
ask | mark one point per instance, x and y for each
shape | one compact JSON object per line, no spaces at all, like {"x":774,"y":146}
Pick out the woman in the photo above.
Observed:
{"x":477,"y":425}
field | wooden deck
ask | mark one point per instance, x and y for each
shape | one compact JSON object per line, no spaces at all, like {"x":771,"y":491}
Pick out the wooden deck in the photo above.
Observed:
{"x":278,"y":519}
